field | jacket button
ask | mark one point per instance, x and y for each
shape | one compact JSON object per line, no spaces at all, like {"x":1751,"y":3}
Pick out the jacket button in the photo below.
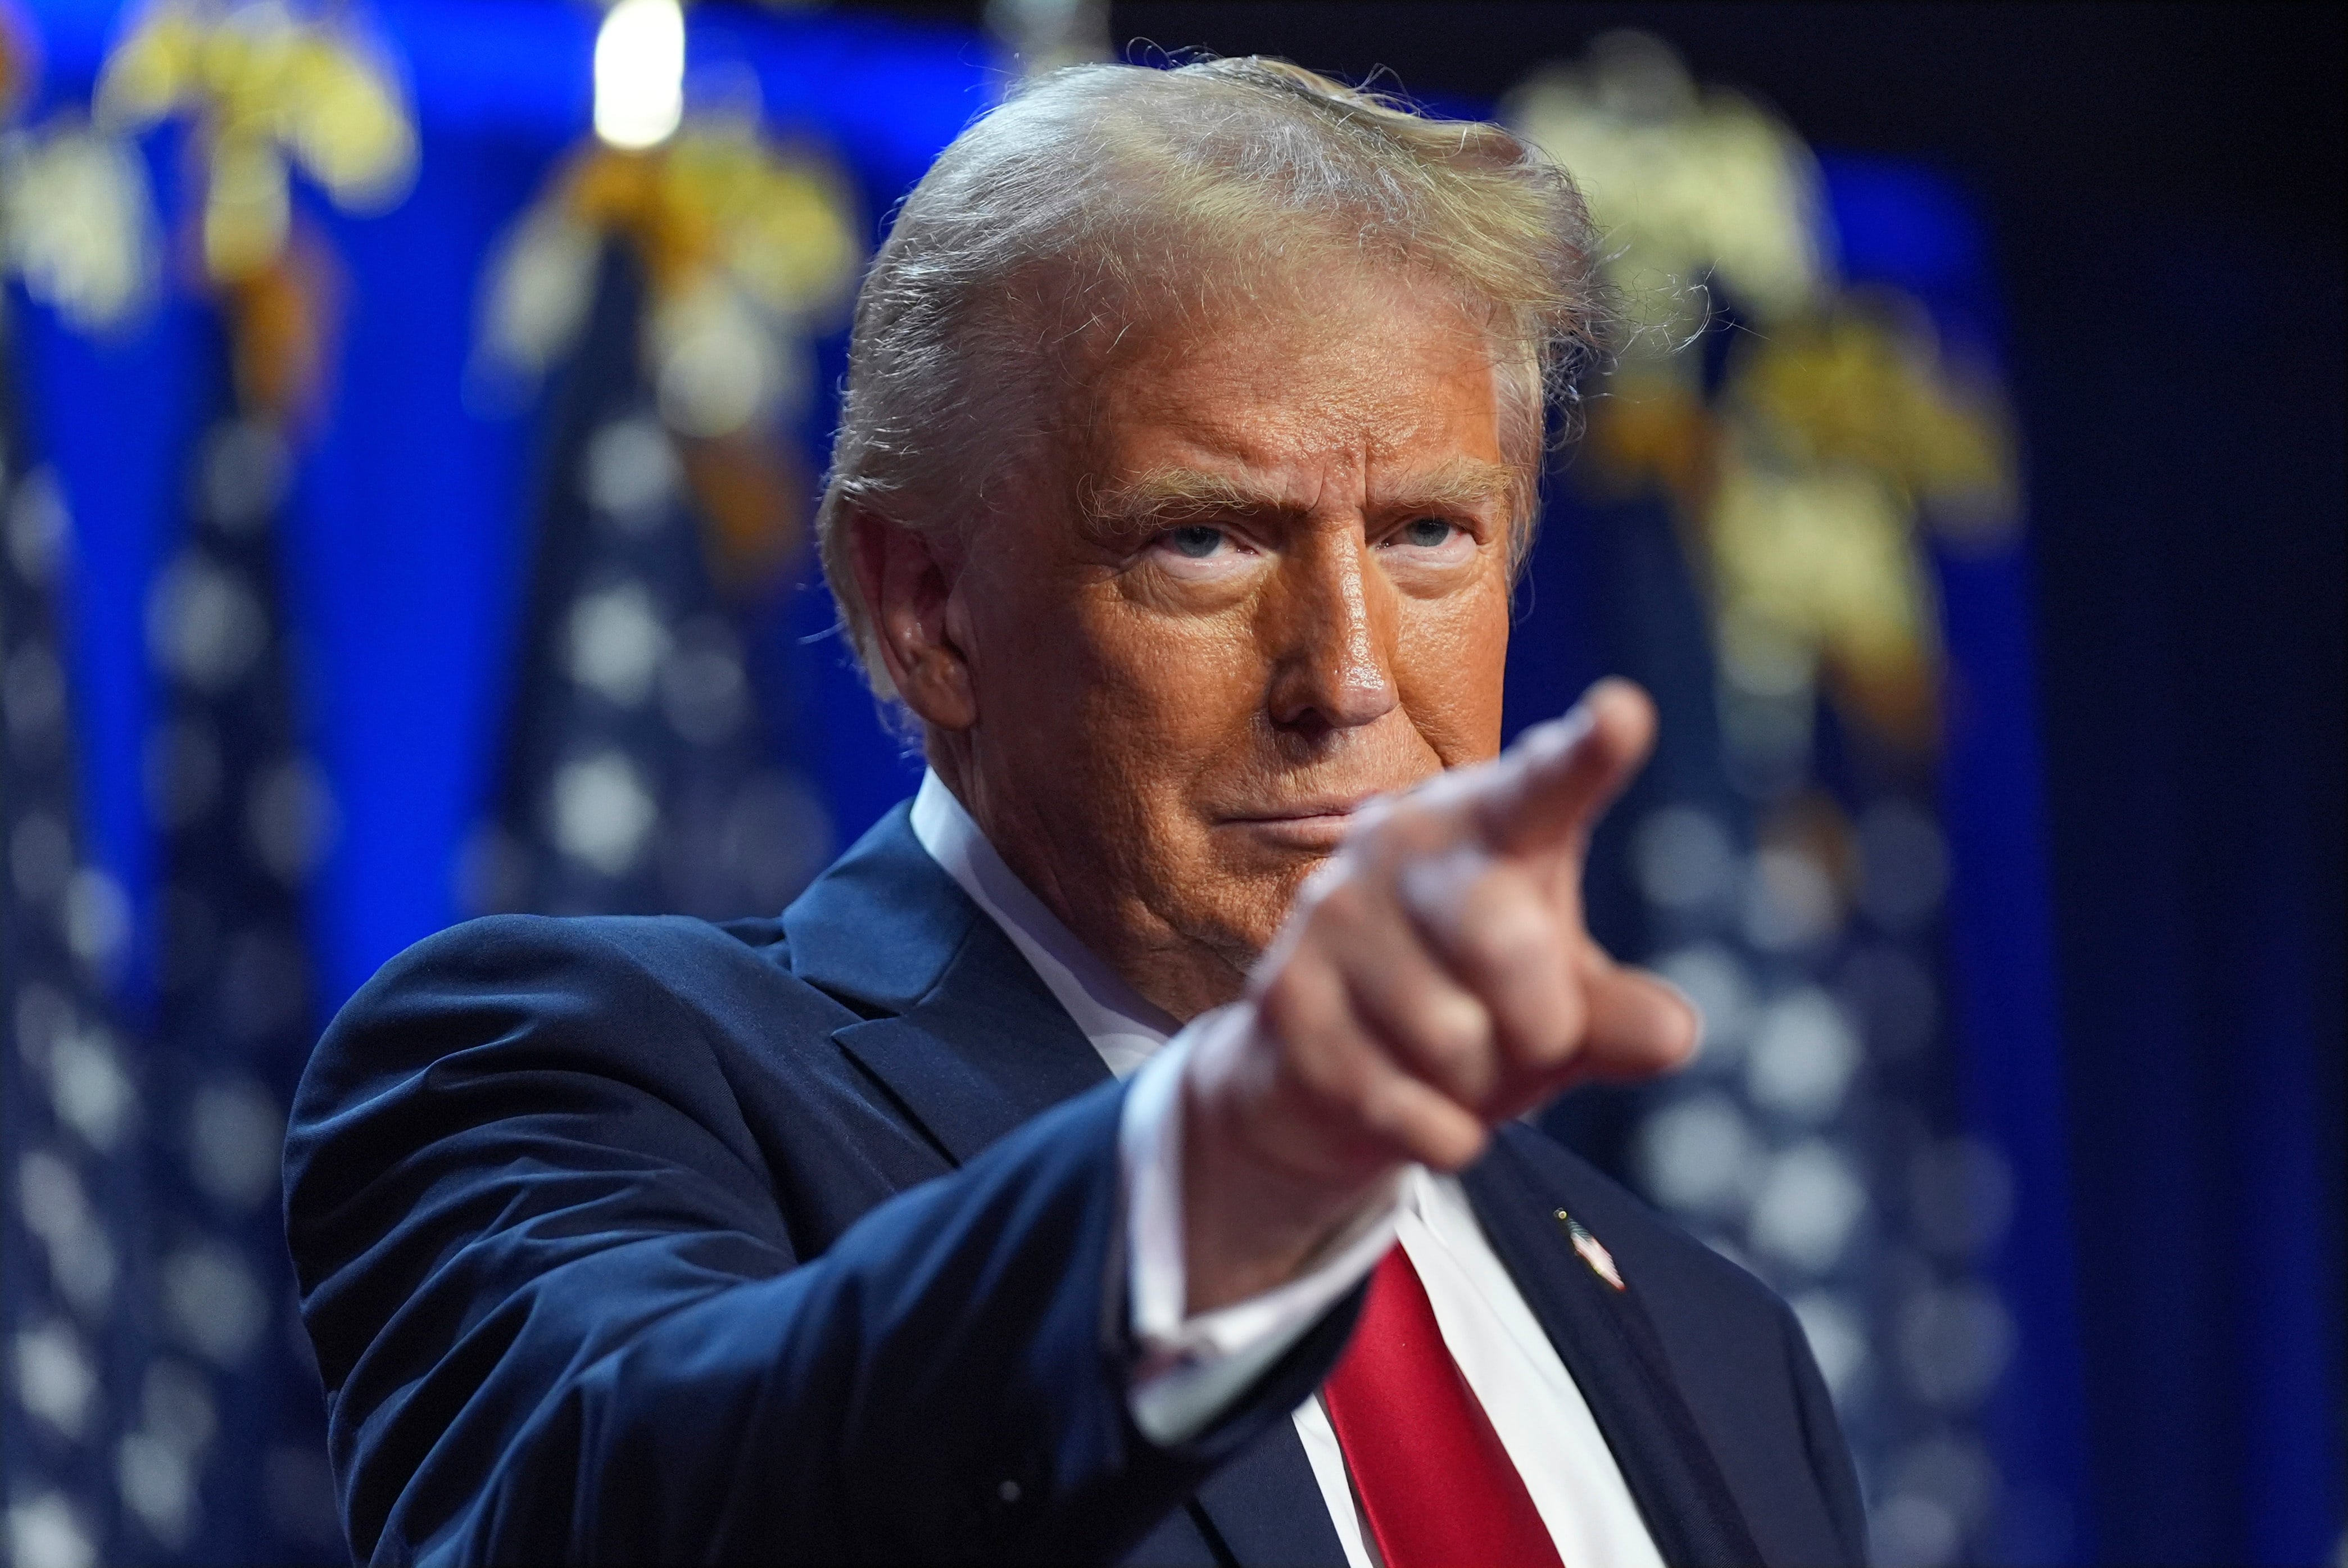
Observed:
{"x":1008,"y":1492}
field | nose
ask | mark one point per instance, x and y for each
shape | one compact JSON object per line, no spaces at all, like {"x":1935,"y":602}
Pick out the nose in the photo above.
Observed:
{"x":1330,"y":628}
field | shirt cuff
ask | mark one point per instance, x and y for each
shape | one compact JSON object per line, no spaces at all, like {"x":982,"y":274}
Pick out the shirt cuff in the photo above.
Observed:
{"x":1191,"y":1369}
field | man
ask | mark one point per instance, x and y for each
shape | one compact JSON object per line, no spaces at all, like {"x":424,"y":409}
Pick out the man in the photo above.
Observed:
{"x":1015,"y":1195}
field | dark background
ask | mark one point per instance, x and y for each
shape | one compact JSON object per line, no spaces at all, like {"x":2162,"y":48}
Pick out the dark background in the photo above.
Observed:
{"x":2162,"y":188}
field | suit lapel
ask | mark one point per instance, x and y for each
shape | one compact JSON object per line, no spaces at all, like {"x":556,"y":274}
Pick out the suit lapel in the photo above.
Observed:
{"x":1266,"y":1506}
{"x":969,"y":1073}
{"x":960,"y":1029}
{"x":1607,"y":1343}
{"x":970,"y":1040}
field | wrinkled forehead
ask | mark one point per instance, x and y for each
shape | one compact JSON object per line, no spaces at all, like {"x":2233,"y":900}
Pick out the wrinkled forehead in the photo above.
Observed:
{"x":1301,"y":373}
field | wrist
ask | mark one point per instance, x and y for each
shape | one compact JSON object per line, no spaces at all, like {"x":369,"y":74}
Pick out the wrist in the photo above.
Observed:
{"x":1253,"y":1221}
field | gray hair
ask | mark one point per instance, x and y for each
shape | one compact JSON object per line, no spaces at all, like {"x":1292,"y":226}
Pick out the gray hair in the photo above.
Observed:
{"x":1101,"y":195}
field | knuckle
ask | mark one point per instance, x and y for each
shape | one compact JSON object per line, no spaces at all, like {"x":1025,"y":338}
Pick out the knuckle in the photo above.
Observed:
{"x":1405,"y":827}
{"x":1547,"y":1036}
{"x":1288,"y":1005}
{"x":1322,"y":1071}
{"x":1385,"y":1115}
{"x":1452,"y":1029}
{"x":1325,"y":881}
{"x":1343,"y":902}
{"x":1371,"y":819}
{"x":1547,"y":1019}
{"x":1507,"y":930}
{"x":1441,"y":889}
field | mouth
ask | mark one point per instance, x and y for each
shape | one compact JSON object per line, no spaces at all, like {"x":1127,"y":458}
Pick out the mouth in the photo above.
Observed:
{"x":1314,"y":825}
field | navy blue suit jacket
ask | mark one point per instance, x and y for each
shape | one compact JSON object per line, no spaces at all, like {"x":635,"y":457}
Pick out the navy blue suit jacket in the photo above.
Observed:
{"x":648,"y":1240}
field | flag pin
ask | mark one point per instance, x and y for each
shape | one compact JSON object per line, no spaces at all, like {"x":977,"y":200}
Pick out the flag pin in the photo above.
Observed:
{"x":1593,"y":1251}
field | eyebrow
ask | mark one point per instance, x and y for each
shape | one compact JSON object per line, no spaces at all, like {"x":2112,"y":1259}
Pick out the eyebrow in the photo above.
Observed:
{"x":1166,"y":497}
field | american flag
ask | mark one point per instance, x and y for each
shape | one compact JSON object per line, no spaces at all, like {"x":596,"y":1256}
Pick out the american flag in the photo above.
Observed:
{"x":640,"y":776}
{"x":71,"y":1111}
{"x":1786,"y":868}
{"x":1758,"y":509}
{"x":1816,"y":1139}
{"x":229,"y":1458}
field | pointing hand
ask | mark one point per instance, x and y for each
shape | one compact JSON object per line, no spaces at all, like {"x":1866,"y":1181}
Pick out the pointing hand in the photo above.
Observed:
{"x":1435,"y":979}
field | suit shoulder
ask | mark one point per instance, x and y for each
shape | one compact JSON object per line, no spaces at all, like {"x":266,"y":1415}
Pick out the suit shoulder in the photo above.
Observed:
{"x":611,"y":986}
{"x":608,"y":955}
{"x":510,"y":944}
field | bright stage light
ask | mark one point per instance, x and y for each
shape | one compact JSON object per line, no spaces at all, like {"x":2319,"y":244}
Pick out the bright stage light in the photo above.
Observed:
{"x":640,"y":73}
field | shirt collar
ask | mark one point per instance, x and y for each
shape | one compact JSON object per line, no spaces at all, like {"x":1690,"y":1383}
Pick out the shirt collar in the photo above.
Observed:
{"x":1123,"y":1026}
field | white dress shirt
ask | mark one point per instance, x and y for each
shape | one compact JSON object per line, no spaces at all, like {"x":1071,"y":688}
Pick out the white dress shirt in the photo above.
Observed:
{"x":1193,"y":1366}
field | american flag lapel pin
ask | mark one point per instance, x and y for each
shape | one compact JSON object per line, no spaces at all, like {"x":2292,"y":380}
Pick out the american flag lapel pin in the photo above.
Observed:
{"x":1593,"y":1251}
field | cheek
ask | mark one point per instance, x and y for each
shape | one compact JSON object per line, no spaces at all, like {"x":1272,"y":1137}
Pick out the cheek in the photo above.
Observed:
{"x":1192,"y":684}
{"x":1449,"y":661}
{"x":1138,"y":693}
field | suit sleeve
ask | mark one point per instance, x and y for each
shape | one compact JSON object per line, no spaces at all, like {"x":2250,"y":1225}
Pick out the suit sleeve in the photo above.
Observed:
{"x":561,"y":1317}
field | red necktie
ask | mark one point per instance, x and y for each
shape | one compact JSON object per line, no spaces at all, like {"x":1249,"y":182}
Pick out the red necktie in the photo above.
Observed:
{"x":1437,"y":1486}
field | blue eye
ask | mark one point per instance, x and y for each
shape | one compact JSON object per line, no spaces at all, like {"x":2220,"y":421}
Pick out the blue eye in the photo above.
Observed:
{"x":1195,"y":542}
{"x":1428,"y":532}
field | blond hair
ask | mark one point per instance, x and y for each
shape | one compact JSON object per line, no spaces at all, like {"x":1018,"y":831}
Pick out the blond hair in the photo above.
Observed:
{"x":1101,"y":195}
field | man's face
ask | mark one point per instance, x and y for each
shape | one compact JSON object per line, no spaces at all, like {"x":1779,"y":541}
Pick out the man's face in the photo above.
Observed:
{"x":1273,"y":584}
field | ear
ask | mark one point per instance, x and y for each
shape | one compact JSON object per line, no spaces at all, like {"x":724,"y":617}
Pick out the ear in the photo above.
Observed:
{"x":906,"y":586}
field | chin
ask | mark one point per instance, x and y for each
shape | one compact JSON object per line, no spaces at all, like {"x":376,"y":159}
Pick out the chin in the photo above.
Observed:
{"x":1246,"y":912}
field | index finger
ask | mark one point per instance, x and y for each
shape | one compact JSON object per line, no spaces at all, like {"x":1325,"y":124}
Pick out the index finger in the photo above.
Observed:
{"x":1548,"y":789}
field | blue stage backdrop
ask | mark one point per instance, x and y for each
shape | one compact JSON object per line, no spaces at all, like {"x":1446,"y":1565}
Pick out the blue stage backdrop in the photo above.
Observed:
{"x":406,"y":551}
